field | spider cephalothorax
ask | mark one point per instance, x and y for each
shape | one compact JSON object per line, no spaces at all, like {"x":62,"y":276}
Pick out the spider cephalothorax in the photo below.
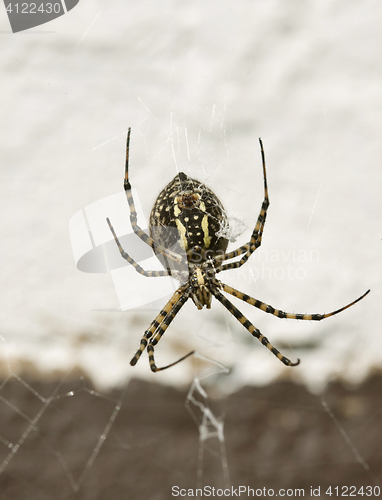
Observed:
{"x":200,"y":283}
{"x":186,"y":227}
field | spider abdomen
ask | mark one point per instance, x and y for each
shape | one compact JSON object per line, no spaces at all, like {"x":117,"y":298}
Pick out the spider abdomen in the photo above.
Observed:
{"x":188,"y":217}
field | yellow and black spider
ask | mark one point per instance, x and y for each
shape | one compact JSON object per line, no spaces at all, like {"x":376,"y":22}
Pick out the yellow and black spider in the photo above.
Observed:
{"x":186,"y":235}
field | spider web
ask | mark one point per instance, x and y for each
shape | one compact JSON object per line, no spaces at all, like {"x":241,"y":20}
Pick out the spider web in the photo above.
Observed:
{"x":210,"y":425}
{"x":27,"y":413}
{"x":59,"y":439}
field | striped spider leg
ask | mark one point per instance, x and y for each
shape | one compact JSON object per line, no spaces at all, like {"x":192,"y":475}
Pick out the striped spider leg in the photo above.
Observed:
{"x":167,"y":314}
{"x":133,"y":213}
{"x":160,"y":325}
{"x":281,"y":314}
{"x":130,"y":260}
{"x":268,"y":309}
{"x":247,"y":324}
{"x":257,"y":234}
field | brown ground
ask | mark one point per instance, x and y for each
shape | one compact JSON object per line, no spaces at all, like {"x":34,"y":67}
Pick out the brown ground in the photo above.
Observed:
{"x":278,"y":436}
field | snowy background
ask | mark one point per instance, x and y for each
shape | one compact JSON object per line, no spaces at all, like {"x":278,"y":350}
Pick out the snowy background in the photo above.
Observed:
{"x":198,"y":82}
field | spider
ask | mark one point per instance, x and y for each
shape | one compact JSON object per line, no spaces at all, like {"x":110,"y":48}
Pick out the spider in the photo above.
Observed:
{"x":185,"y":234}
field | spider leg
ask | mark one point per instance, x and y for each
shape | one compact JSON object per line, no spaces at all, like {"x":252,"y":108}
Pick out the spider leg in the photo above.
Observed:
{"x":150,"y":350}
{"x":257,"y":234}
{"x":160,"y":332}
{"x":130,"y":260}
{"x":160,"y":325}
{"x":133,"y":213}
{"x":250,"y":327}
{"x":281,"y":314}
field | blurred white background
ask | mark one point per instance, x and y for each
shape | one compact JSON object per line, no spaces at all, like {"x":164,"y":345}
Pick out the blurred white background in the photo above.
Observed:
{"x":198,"y":82}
